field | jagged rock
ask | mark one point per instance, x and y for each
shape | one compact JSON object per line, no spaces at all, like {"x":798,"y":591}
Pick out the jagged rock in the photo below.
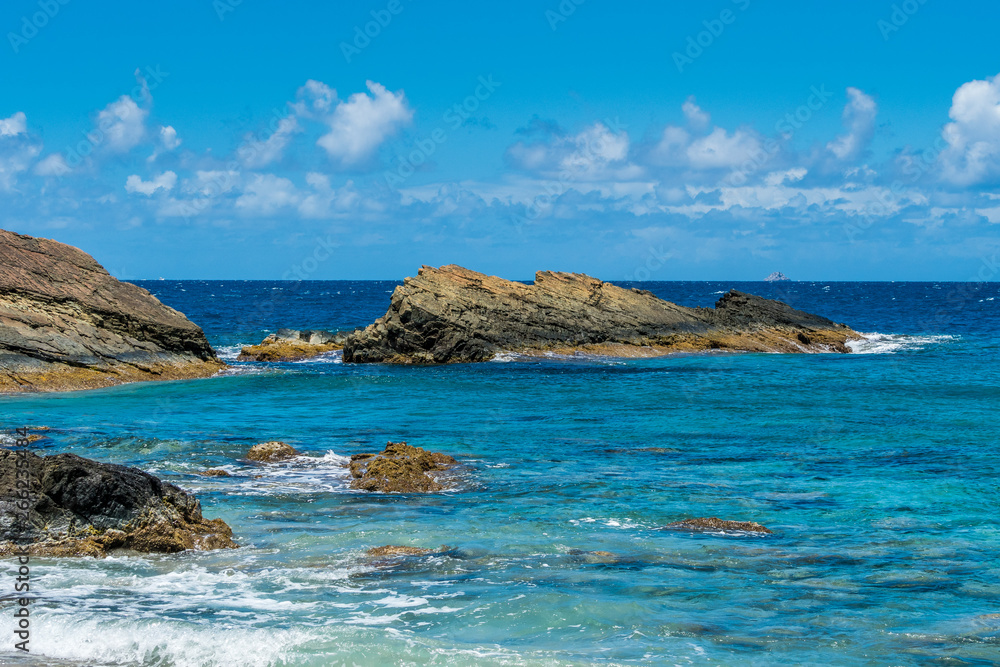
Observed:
{"x":214,"y":472}
{"x":400,"y":468}
{"x":271,"y":451}
{"x":293,"y":345}
{"x":777,"y":276}
{"x":66,"y":324}
{"x":452,"y":314}
{"x":394,"y":550}
{"x":81,"y":507}
{"x":713,"y":524}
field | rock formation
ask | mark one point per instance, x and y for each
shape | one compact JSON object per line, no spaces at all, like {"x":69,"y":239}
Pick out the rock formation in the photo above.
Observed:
{"x":777,"y":276}
{"x":76,"y":506}
{"x":400,"y":468}
{"x":65,"y":324}
{"x":271,"y":451}
{"x":712,"y":524}
{"x":292,"y":345}
{"x":452,"y":314}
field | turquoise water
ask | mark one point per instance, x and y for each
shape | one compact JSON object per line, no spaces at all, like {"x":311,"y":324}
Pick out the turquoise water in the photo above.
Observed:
{"x":876,"y":471}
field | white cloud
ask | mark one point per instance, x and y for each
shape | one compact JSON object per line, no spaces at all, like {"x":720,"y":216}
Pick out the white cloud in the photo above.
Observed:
{"x":165,"y":181}
{"x":121,"y":125}
{"x":211,"y":183}
{"x":315,"y":100}
{"x":362,"y":123}
{"x":696,"y":118}
{"x":168,"y":137}
{"x":326,"y":201}
{"x":721,"y":150}
{"x":266,"y":194}
{"x":13,"y":126}
{"x":53,"y":165}
{"x":859,"y":120}
{"x":256,"y":154}
{"x":973,"y":136}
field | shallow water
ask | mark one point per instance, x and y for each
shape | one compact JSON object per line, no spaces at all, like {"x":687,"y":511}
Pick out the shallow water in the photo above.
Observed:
{"x":877,"y":473}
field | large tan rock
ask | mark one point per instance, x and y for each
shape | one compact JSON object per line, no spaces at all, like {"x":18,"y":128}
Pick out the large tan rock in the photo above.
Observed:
{"x":452,"y":314}
{"x":65,"y":323}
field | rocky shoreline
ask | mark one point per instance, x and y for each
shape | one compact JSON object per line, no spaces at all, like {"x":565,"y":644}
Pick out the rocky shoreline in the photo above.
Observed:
{"x":451,"y":314}
{"x":67,"y":324}
{"x":293,"y":345}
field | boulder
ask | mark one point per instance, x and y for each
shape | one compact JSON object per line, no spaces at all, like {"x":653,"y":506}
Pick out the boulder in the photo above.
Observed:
{"x":452,"y":314}
{"x":400,"y":468}
{"x":76,"y":506}
{"x":712,"y":524}
{"x":271,"y":451}
{"x":66,"y":324}
{"x":293,"y":345}
{"x":394,"y":550}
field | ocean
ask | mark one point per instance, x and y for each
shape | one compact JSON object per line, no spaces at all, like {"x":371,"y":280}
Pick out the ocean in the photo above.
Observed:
{"x":877,"y":473}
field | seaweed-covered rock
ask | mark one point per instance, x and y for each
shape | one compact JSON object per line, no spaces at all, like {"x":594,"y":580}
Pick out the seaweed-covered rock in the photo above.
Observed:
{"x":400,"y":468}
{"x":293,"y":345}
{"x":76,"y":506}
{"x":713,"y":524}
{"x":267,"y":452}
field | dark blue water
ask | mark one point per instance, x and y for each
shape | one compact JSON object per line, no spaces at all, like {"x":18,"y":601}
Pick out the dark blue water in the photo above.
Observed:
{"x":877,"y":472}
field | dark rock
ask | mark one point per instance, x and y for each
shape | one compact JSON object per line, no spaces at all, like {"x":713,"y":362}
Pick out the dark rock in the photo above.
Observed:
{"x":712,"y":524}
{"x":81,"y":507}
{"x":393,"y":550}
{"x":452,"y":314}
{"x":214,"y":472}
{"x":271,"y":451}
{"x":66,"y":324}
{"x":400,"y":468}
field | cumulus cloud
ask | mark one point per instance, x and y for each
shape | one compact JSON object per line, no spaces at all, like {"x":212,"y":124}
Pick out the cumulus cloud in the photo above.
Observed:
{"x":859,"y":120}
{"x":362,"y":123}
{"x":121,"y":126}
{"x":972,"y":155}
{"x":697,"y":118}
{"x":165,"y":181}
{"x":326,"y":201}
{"x":168,"y":138}
{"x":13,"y":126}
{"x":722,"y":150}
{"x":315,"y":100}
{"x":257,"y":154}
{"x":266,"y":194}
{"x":597,"y":152}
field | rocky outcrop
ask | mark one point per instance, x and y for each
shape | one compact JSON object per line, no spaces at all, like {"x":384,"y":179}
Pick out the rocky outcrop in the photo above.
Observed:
{"x":65,"y":324}
{"x":775,"y":277}
{"x":293,"y":345}
{"x":452,"y":314}
{"x":76,"y":506}
{"x":396,"y":550}
{"x":400,"y":468}
{"x":267,"y":452}
{"x":712,"y":524}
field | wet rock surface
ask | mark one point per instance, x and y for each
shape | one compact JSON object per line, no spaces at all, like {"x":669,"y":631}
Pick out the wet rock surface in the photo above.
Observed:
{"x":452,"y":314}
{"x":294,"y":345}
{"x":76,"y":507}
{"x":395,"y":550}
{"x":267,"y":452}
{"x":713,"y":524}
{"x":66,"y":324}
{"x":400,"y":468}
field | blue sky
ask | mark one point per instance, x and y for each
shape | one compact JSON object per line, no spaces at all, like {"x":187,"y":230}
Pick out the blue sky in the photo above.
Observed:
{"x":630,"y":140}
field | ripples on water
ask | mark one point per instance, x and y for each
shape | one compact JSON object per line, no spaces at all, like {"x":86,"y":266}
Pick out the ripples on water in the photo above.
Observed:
{"x":876,"y":471}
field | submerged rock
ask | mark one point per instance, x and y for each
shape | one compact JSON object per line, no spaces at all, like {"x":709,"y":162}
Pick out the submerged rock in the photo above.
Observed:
{"x":452,"y":314}
{"x":709,"y":524}
{"x":394,"y":550}
{"x":293,"y":345}
{"x":400,"y":468}
{"x":81,"y":507}
{"x":271,"y":451}
{"x":214,"y":472}
{"x":66,"y":324}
